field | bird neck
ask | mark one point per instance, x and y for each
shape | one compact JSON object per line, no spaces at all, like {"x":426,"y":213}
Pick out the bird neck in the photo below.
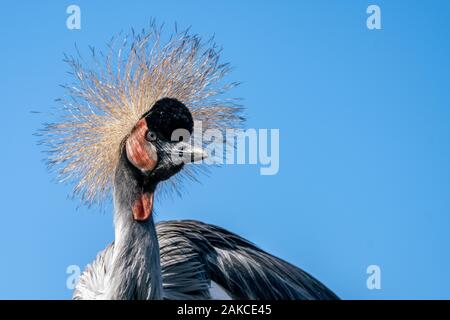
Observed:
{"x":136,"y":272}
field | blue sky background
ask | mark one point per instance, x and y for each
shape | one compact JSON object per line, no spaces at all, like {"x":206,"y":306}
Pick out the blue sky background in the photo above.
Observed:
{"x":364,"y":119}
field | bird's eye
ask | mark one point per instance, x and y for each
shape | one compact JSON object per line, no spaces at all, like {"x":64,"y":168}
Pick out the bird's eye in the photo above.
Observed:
{"x":150,"y":136}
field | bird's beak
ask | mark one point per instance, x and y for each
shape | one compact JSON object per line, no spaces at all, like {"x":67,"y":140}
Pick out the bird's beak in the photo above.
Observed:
{"x":186,"y":153}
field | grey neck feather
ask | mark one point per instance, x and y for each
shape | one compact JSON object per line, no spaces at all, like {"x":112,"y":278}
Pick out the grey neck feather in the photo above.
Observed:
{"x":136,"y":271}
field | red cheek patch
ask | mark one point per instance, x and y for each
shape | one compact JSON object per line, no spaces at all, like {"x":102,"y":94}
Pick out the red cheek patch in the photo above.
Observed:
{"x":140,"y":152}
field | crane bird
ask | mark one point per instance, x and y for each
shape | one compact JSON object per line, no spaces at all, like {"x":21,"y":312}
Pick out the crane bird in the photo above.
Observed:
{"x":115,"y":137}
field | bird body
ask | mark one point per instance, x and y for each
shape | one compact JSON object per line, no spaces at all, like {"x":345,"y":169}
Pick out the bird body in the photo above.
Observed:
{"x":203,"y":261}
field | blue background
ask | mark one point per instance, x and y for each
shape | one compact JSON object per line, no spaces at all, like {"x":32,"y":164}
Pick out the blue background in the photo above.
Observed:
{"x":364,"y":121}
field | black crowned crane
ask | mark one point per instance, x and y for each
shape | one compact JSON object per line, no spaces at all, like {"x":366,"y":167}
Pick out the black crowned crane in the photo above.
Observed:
{"x":116,"y":136}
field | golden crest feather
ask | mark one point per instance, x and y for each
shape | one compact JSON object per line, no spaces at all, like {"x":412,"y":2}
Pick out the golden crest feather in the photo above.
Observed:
{"x":106,"y":101}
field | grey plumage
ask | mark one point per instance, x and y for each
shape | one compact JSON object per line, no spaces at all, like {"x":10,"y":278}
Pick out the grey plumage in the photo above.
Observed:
{"x":192,"y":254}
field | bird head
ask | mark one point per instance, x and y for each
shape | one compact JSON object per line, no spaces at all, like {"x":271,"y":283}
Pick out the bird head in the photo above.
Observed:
{"x":136,"y":104}
{"x":158,"y":147}
{"x":160,"y":144}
